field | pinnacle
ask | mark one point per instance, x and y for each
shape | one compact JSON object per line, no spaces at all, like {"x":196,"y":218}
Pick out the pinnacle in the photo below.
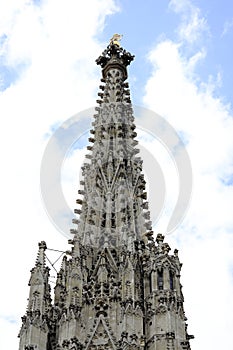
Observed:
{"x":40,"y":261}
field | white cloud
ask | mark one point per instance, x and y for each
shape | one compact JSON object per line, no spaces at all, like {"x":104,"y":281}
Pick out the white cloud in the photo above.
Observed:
{"x":193,"y":24}
{"x":227,"y":27}
{"x":176,"y":92}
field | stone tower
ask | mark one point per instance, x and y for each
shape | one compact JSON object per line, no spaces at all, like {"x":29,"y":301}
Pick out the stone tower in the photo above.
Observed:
{"x":118,"y":288}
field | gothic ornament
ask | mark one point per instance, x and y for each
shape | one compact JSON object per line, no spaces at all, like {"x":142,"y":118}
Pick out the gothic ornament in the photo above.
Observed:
{"x":117,"y":288}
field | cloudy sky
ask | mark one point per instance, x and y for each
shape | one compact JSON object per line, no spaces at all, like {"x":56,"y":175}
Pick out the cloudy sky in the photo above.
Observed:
{"x":182,"y":70}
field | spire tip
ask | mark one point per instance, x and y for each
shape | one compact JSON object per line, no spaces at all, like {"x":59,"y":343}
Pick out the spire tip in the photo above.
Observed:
{"x":115,"y":40}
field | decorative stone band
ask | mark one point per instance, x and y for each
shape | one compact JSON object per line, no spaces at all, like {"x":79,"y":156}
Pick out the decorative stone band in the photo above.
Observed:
{"x":114,"y":56}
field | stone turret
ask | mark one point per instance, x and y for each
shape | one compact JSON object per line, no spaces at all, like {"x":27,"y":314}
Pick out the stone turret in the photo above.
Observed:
{"x":34,"y":330}
{"x":118,"y":288}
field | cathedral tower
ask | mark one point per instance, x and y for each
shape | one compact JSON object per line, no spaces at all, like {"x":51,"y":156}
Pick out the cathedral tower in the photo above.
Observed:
{"x":118,"y":288}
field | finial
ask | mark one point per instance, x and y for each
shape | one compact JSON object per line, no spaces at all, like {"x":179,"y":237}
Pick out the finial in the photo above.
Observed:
{"x":159,"y":238}
{"x":41,"y":254}
{"x":176,"y":252}
{"x":42,"y":245}
{"x":114,"y":56}
{"x":115,"y":40}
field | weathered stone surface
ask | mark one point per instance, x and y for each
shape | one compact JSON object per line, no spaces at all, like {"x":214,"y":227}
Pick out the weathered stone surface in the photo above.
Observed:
{"x":119,"y":289}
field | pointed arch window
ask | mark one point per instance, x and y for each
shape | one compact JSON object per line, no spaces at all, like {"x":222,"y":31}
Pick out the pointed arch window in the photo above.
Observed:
{"x":171,"y":279}
{"x":160,"y":279}
{"x":150,"y":282}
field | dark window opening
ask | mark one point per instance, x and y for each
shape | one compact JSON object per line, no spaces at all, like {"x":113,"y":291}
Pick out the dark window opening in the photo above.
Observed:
{"x":171,"y":280}
{"x":160,"y":279}
{"x":150,"y":282}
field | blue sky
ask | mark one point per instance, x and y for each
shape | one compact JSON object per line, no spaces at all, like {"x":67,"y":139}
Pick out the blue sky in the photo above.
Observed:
{"x":182,"y":70}
{"x":145,"y":25}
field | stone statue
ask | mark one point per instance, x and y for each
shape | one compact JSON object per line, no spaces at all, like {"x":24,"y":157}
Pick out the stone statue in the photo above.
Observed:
{"x":115,"y":40}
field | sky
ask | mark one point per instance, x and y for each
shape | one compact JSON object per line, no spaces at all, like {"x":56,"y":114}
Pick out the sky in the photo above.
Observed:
{"x":182,"y":71}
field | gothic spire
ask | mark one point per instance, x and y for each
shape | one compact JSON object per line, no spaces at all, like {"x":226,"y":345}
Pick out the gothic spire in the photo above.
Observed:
{"x":117,"y":288}
{"x":112,"y":205}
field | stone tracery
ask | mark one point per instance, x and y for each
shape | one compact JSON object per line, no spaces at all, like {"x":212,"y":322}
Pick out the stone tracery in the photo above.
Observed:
{"x":119,"y":289}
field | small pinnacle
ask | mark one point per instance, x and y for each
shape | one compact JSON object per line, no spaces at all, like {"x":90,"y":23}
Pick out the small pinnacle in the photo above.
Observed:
{"x":41,"y":254}
{"x":159,"y":238}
